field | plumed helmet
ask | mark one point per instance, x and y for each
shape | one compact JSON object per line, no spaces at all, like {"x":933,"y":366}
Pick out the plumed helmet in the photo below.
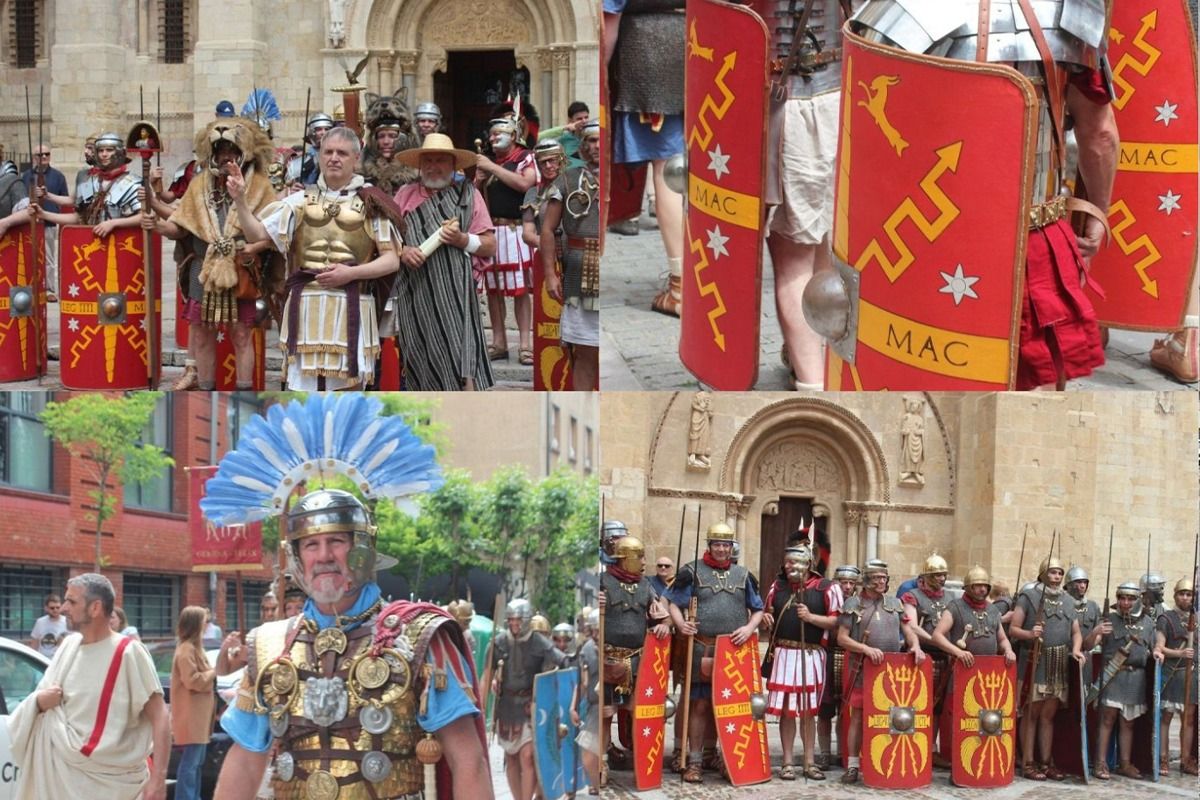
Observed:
{"x":720,"y":532}
{"x":1153,"y":582}
{"x":935,"y":565}
{"x":630,"y":554}
{"x":539,"y":623}
{"x":1129,"y":589}
{"x":1047,"y":565}
{"x":548,"y":148}
{"x":332,"y":511}
{"x":610,"y":531}
{"x":977,"y":574}
{"x":428,"y":110}
{"x":1077,"y":573}
{"x":847,"y":572}
{"x":1184,"y":585}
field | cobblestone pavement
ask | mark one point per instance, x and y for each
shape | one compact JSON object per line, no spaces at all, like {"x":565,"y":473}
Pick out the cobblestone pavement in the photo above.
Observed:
{"x":640,"y":348}
{"x":510,"y":375}
{"x":716,"y":788}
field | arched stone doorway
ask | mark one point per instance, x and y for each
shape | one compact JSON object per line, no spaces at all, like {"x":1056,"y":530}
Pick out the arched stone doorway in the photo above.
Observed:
{"x":810,"y":455}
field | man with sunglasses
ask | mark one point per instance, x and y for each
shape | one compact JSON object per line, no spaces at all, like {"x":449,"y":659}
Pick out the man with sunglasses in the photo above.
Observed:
{"x":52,"y":182}
{"x":664,"y":574}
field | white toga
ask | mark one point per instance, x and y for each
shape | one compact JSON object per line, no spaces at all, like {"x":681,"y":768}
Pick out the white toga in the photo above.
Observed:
{"x":47,"y":745}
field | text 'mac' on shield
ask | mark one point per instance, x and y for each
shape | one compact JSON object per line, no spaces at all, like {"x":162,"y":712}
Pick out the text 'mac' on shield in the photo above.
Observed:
{"x":1069,"y":748}
{"x":103,"y":308}
{"x":897,"y":723}
{"x":933,"y":217}
{"x":725,"y":114}
{"x":22,"y":305}
{"x":743,"y":739}
{"x":984,"y":720}
{"x":547,"y":755}
{"x":1147,"y":270}
{"x":649,"y":712}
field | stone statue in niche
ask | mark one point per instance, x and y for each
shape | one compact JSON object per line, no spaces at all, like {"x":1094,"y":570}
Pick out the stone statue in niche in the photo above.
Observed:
{"x":700,"y":432}
{"x":912,"y":436}
{"x":337,"y":23}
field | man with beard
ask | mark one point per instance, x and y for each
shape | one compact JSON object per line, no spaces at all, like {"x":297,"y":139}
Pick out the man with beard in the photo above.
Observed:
{"x":1043,"y":611}
{"x":1154,"y":588}
{"x":428,"y":119}
{"x":1174,"y":648}
{"x":505,"y":181}
{"x":801,"y":607}
{"x":1125,"y":693}
{"x":870,"y":625}
{"x":925,"y":603}
{"x":81,"y":736}
{"x":577,"y":194}
{"x":441,"y":333}
{"x":108,"y":198}
{"x":848,"y":578}
{"x":520,"y":653}
{"x":630,"y":610}
{"x":970,"y":626}
{"x":214,"y":246}
{"x":328,"y":662}
{"x":727,"y":603}
{"x":337,"y":234}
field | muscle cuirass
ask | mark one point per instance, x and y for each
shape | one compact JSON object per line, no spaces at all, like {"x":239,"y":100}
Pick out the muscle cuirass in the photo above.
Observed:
{"x":348,"y":715}
{"x":982,"y":639}
{"x":626,"y":611}
{"x":648,"y":66}
{"x":929,"y":609}
{"x":504,"y":202}
{"x":876,"y":620}
{"x":787,"y":621}
{"x":818,"y":60}
{"x":720,"y":598}
{"x":1058,"y":611}
{"x":332,"y":231}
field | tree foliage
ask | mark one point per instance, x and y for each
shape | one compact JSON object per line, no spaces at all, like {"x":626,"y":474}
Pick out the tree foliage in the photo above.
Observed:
{"x":105,"y":431}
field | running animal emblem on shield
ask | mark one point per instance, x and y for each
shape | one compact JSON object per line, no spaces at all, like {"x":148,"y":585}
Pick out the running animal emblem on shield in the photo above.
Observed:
{"x":725,"y":121}
{"x":897,"y":721}
{"x":22,"y":306}
{"x":931,"y":260}
{"x":649,"y":712}
{"x":1147,"y":269}
{"x":736,"y":682}
{"x":984,"y":719}
{"x":103,"y":308}
{"x":549,"y":717}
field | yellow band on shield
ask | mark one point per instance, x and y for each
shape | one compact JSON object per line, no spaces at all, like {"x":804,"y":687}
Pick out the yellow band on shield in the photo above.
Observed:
{"x":950,"y":353}
{"x":733,"y":207}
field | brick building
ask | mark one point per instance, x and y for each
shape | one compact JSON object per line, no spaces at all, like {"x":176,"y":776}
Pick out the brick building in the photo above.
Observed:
{"x":46,"y":535}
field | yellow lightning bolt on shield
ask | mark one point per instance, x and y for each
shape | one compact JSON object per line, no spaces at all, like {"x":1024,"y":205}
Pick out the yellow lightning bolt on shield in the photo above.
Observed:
{"x":707,"y":289}
{"x":1149,"y":286}
{"x":1128,"y":61}
{"x":711,"y":106}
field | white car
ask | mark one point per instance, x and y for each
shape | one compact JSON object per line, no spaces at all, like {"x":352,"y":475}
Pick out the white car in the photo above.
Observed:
{"x":20,"y":671}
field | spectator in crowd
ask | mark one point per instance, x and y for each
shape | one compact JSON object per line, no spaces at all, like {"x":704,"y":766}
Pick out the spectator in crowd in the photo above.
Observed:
{"x":192,"y":701}
{"x":120,"y":623}
{"x":49,"y":630}
{"x":212,"y":631}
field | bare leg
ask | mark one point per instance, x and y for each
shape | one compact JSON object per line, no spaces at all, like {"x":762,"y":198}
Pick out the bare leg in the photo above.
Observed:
{"x":528,"y":777}
{"x":1107,"y":717}
{"x":1027,"y":732}
{"x":807,"y":728}
{"x":854,"y":734}
{"x":794,"y":265}
{"x":205,"y":339}
{"x":496,"y":314}
{"x":787,"y":737}
{"x":585,"y":368}
{"x":1046,"y":729}
{"x":523,"y":307}
{"x":243,"y":351}
{"x":1187,"y":743}
{"x":668,"y":206}
{"x":1163,"y":733}
{"x":512,"y":771}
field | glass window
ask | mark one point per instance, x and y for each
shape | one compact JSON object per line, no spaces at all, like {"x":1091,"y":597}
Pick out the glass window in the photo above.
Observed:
{"x":25,"y":450}
{"x":554,"y":421}
{"x":25,"y":38}
{"x":157,"y":493}
{"x":252,"y":593}
{"x":572,"y":439}
{"x":19,"y":676}
{"x":173,"y":31}
{"x":23,"y":593}
{"x":151,"y":603}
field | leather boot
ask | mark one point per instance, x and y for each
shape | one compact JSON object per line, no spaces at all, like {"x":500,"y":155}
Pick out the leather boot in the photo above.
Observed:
{"x":1176,"y":355}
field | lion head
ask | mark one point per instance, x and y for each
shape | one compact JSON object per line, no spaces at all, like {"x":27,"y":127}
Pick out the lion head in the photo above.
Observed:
{"x":244,"y":134}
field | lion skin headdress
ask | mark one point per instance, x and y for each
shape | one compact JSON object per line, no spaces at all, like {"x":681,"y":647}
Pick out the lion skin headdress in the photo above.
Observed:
{"x":256,"y":147}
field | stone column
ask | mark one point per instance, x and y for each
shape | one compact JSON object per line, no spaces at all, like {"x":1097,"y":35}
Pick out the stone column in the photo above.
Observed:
{"x":87,"y":74}
{"x":387,"y":63}
{"x":408,"y":60}
{"x":562,"y":81}
{"x":872,"y":535}
{"x":544,"y":76}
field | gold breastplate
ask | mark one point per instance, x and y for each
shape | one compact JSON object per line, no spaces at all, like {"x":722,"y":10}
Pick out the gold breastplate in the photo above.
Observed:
{"x":332,"y":232}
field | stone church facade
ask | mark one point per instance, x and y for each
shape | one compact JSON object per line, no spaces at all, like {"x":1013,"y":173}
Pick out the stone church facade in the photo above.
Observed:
{"x":91,"y":57}
{"x":900,"y":475}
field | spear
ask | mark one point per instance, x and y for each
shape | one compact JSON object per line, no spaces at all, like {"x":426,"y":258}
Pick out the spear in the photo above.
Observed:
{"x":1108,"y":577}
{"x":1021,"y":560}
{"x":1191,"y":631}
{"x":158,"y":122}
{"x":1035,"y":653}
{"x":685,"y":699}
{"x":34,"y":248}
{"x":300,"y":178}
{"x":679,"y":546}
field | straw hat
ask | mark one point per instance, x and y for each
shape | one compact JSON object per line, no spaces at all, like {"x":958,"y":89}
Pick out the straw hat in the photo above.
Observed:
{"x":436,"y":143}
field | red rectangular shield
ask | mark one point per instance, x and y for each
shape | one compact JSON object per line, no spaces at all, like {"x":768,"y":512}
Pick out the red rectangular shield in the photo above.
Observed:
{"x":725,"y":122}
{"x":551,"y":367}
{"x":104,"y":279}
{"x":22,"y":303}
{"x":649,"y":712}
{"x":897,"y":720}
{"x":1148,"y":270}
{"x":939,"y":267}
{"x":984,"y":720}
{"x":743,"y":739}
{"x":219,"y":548}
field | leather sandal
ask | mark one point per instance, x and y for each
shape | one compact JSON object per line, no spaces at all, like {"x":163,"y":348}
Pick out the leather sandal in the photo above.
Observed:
{"x":1176,"y":355}
{"x":693,"y":774}
{"x":1101,"y":773}
{"x":188,"y":380}
{"x":1033,"y":772}
{"x":787,"y":773}
{"x":1188,"y":767}
{"x":525,"y":357}
{"x":1129,"y":771}
{"x":813,"y":773}
{"x":670,"y":299}
{"x":497,"y":353}
{"x":850,"y":775}
{"x":1054,"y":773}
{"x":1164,"y":768}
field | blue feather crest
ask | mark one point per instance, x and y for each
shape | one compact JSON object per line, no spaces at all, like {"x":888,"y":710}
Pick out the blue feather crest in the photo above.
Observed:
{"x":330,"y":434}
{"x":261,"y":107}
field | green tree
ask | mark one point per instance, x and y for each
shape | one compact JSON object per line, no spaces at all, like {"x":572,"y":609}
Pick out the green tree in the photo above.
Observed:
{"x":106,"y":432}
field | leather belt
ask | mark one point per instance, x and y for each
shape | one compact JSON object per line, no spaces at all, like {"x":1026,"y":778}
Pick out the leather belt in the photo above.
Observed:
{"x":1047,"y":213}
{"x":512,"y":223}
{"x":611,"y":651}
{"x":791,"y":644}
{"x":577,"y":243}
{"x":805,"y":63}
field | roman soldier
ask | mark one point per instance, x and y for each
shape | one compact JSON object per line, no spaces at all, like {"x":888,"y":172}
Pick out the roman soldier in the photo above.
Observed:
{"x":727,"y":602}
{"x":1092,"y":626}
{"x":550,"y":160}
{"x":520,"y":653}
{"x":610,"y":532}
{"x":305,"y":170}
{"x":1175,"y":641}
{"x":1044,"y":611}
{"x":1125,"y":653}
{"x":925,"y":603}
{"x":1153,"y":587}
{"x":563,"y":636}
{"x":871,"y":624}
{"x":970,"y":626}
{"x":389,"y":131}
{"x":574,"y":201}
{"x":504,"y":179}
{"x":588,"y":694}
{"x":848,"y":577}
{"x":629,"y":611}
{"x":801,"y":607}
{"x":428,"y":119}
{"x":108,"y":198}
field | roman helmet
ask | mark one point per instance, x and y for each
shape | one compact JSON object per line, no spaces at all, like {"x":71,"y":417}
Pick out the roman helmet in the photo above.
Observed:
{"x":1184,"y":585}
{"x":547,"y":149}
{"x":610,"y":531}
{"x":581,"y":619}
{"x":935,"y":565}
{"x":590,"y":129}
{"x":977,"y":574}
{"x":540,"y":623}
{"x":332,"y":511}
{"x":630,"y":554}
{"x":1153,"y":582}
{"x":319,"y":121}
{"x":520,"y":608}
{"x":463,"y":611}
{"x":721,"y":532}
{"x":563,"y":634}
{"x":1129,"y":589}
{"x":1076,"y":573}
{"x":1047,"y":565}
{"x":874,"y":568}
{"x":114,"y":140}
{"x":847,"y":572}
{"x":506,"y":126}
{"x":428,"y":110}
{"x":801,"y":554}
